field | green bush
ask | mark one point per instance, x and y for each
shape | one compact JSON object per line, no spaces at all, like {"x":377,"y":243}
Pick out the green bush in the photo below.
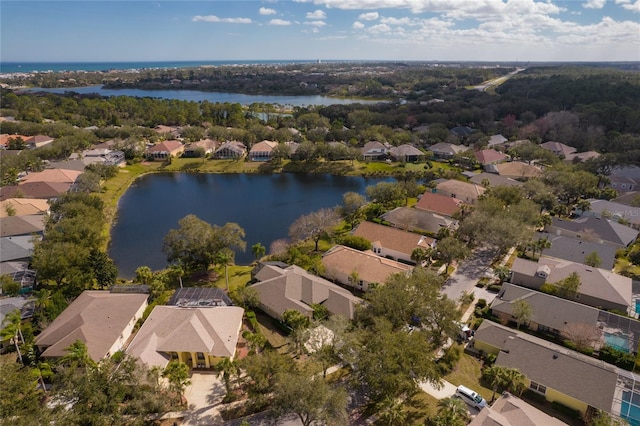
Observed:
{"x":617,"y":357}
{"x":566,"y":410}
{"x":481,"y":303}
{"x":495,"y":288}
{"x":355,"y":242}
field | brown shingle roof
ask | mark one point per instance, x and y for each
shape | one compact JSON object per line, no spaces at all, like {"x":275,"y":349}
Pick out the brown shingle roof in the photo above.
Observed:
{"x":439,"y":203}
{"x":23,"y":206}
{"x":370,"y":268}
{"x":52,"y":176}
{"x":392,"y":238}
{"x":22,"y":225}
{"x":42,"y":190}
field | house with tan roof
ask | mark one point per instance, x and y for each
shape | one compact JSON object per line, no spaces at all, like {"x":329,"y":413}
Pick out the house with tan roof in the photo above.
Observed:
{"x":262,"y":151}
{"x":281,"y":289}
{"x":230,"y":150}
{"x":509,"y":410}
{"x":464,"y":191}
{"x":52,"y":176}
{"x":515,"y":170}
{"x":165,"y":149}
{"x":374,"y":151}
{"x":559,"y":149}
{"x":446,"y":149}
{"x":23,"y":207}
{"x":204,"y":146}
{"x":487,"y":180}
{"x":173,"y":131}
{"x":359,"y":269}
{"x":496,"y":140}
{"x":391,"y":242}
{"x":581,"y":157}
{"x":406,"y":153}
{"x":561,"y":375}
{"x":22,"y":225}
{"x":437,"y":203}
{"x":102,"y":320}
{"x":199,"y":337}
{"x":598,"y":287}
{"x":38,"y":141}
{"x":41,"y":190}
{"x":411,"y":219}
{"x":490,"y":156}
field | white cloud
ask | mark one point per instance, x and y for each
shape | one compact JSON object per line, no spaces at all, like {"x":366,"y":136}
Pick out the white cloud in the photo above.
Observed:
{"x":316,"y":23}
{"x":358,"y":25}
{"x":629,"y":5}
{"x":280,"y":22}
{"x":316,"y":14}
{"x":370,"y":16}
{"x":380,"y":28}
{"x":213,"y":18}
{"x":594,"y":4}
{"x":266,"y":11}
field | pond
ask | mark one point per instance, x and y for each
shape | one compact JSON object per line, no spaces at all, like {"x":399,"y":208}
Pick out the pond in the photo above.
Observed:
{"x":263,"y":205}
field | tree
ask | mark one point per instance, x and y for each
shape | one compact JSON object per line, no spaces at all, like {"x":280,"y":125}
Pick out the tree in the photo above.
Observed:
{"x":351,"y":208}
{"x":195,"y":244}
{"x":21,"y":398}
{"x":388,"y":194}
{"x":77,"y":356}
{"x":245,"y":296}
{"x":568,"y":287}
{"x":258,"y":250}
{"x":262,"y":370}
{"x":504,"y":378}
{"x":391,"y":413}
{"x":227,"y":369}
{"x":10,"y":287}
{"x":314,"y":226}
{"x":502,"y":273}
{"x":177,"y":373}
{"x":225,"y":258}
{"x":582,"y":335}
{"x":450,"y":249}
{"x":593,"y":260}
{"x":102,"y":267}
{"x":310,"y":397}
{"x":12,"y":330}
{"x":422,"y":255}
{"x":541,"y":245}
{"x":452,"y":411}
{"x":522,"y":312}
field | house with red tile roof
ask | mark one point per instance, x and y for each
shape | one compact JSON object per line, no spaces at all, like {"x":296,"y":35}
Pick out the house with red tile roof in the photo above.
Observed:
{"x":38,"y":141}
{"x":438,"y":203}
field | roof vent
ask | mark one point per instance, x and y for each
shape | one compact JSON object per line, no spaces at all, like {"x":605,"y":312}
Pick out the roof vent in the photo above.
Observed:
{"x":555,"y":356}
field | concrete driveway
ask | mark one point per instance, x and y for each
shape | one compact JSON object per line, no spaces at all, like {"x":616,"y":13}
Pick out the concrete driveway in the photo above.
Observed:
{"x":468,"y":273}
{"x":203,"y":395}
{"x":447,"y":390}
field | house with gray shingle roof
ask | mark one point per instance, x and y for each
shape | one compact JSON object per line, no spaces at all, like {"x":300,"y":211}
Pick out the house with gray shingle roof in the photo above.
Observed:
{"x":280,"y":289}
{"x":610,"y":209}
{"x":28,"y":225}
{"x":576,"y":250}
{"x":392,"y":242}
{"x":598,"y":230}
{"x":492,"y":179}
{"x":374,"y":150}
{"x":559,"y":149}
{"x":559,"y":374}
{"x":598,"y":287}
{"x":230,"y":150}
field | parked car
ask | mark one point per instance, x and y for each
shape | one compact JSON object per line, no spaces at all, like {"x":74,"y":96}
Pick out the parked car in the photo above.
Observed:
{"x":470,"y":397}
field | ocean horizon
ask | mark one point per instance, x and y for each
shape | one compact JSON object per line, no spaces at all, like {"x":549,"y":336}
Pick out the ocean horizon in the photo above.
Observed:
{"x":26,"y":67}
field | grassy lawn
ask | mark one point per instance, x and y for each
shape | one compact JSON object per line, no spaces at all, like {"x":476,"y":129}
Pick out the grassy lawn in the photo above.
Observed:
{"x":269,"y":330}
{"x":239,"y":276}
{"x":420,"y":407}
{"x":623,"y":265}
{"x":467,"y":373}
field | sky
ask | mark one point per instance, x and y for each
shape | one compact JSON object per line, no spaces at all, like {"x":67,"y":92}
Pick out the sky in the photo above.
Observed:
{"x":398,"y":30}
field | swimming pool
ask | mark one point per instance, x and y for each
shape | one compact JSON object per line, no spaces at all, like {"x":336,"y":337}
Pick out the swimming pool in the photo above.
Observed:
{"x":617,"y":341}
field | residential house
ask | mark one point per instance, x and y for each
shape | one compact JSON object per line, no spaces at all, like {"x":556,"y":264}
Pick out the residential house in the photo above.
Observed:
{"x":591,"y":228}
{"x":576,"y":250}
{"x":598,"y":287}
{"x":262,"y":151}
{"x":164,"y":150}
{"x":440,"y":204}
{"x":445,"y":150}
{"x":496,"y":140}
{"x":17,"y":248}
{"x":465,"y":191}
{"x":102,"y":320}
{"x":509,"y":410}
{"x":374,"y":151}
{"x":204,"y":146}
{"x":552,"y":315}
{"x":559,"y":149}
{"x":612,"y":210}
{"x":199,"y":297}
{"x":515,"y":170}
{"x":581,"y":157}
{"x":560,"y":375}
{"x":359,"y":269}
{"x":230,"y":150}
{"x":623,"y":183}
{"x":41,"y":190}
{"x":4,"y":139}
{"x":23,"y":304}
{"x":23,"y":207}
{"x":408,"y":218}
{"x":488,"y":180}
{"x":391,"y":242}
{"x":52,"y":176}
{"x":406,"y":153}
{"x":461,"y":131}
{"x":199,"y":337}
{"x":490,"y":156}
{"x":38,"y":141}
{"x":171,"y":131}
{"x":27,"y":225}
{"x":105,"y":156}
{"x":281,"y":289}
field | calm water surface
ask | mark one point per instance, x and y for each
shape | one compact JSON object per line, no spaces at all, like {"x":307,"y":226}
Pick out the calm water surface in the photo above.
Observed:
{"x":264,"y":205}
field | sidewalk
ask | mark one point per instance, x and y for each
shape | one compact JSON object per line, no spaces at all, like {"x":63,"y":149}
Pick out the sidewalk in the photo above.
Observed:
{"x":445,"y":391}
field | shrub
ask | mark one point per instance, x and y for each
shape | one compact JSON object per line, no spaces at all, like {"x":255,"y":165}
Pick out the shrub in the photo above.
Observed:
{"x":566,"y":410}
{"x":495,"y":288}
{"x":617,"y":357}
{"x":481,"y":303}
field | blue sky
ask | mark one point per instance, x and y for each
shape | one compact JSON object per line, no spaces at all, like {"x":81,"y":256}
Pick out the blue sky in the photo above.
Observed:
{"x":425,"y":30}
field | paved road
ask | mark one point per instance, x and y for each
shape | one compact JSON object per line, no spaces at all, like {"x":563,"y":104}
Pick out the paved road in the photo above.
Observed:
{"x":468,"y":273}
{"x":497,"y":81}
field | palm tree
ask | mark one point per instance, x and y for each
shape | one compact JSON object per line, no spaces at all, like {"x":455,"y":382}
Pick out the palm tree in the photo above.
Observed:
{"x":543,"y":244}
{"x":452,"y":412}
{"x":12,"y":330}
{"x":177,"y":373}
{"x":502,"y":273}
{"x":258,"y":250}
{"x":391,"y":413}
{"x":227,"y":368}
{"x":509,"y":379}
{"x":78,"y":355}
{"x":225,"y":258}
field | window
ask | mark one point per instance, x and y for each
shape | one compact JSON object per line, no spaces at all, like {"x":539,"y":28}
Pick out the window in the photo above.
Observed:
{"x":536,"y":387}
{"x":200,"y":356}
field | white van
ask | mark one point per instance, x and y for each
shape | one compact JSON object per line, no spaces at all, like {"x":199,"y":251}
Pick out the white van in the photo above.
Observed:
{"x":470,"y":397}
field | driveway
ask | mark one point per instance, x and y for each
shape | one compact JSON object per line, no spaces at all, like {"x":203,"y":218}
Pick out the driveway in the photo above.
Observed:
{"x":468,"y":273}
{"x":447,"y":390}
{"x":203,"y":396}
